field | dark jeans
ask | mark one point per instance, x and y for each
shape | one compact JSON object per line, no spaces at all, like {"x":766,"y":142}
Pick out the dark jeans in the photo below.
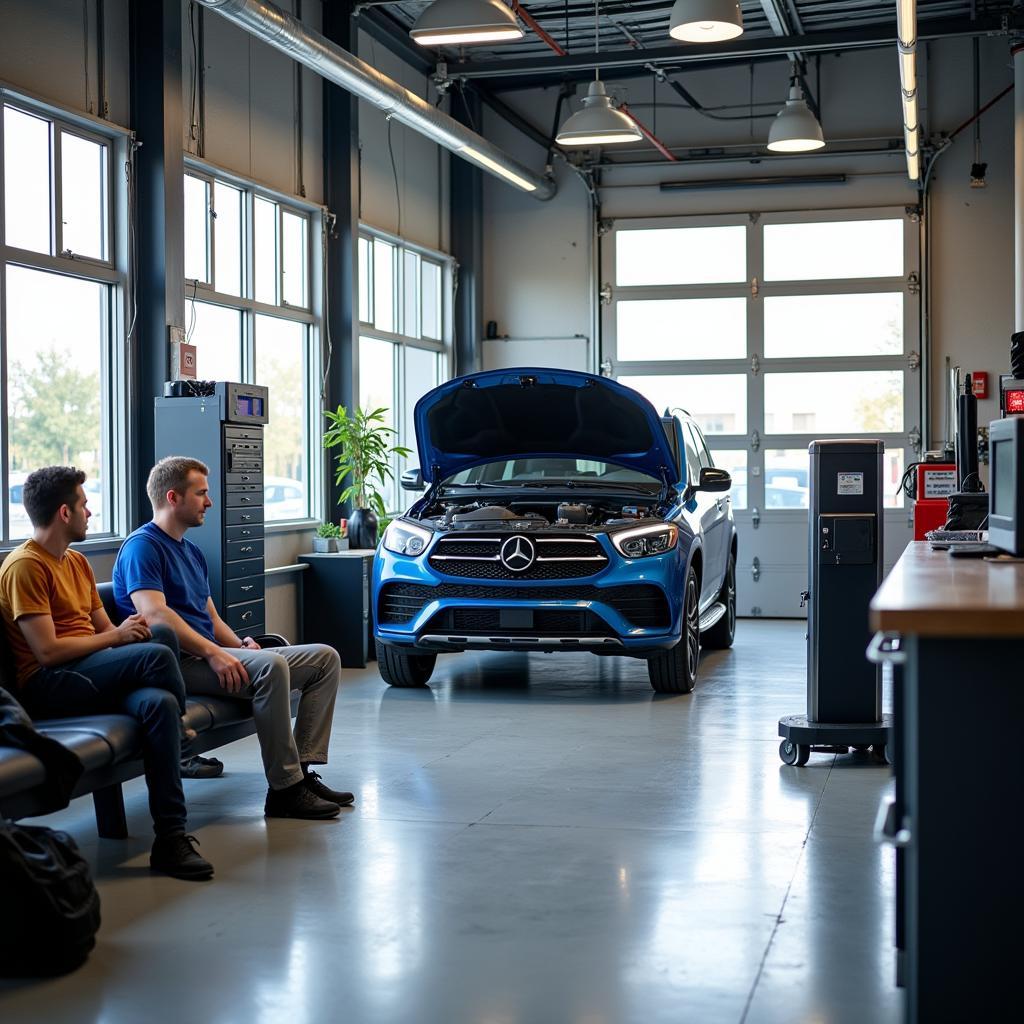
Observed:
{"x":141,"y":680}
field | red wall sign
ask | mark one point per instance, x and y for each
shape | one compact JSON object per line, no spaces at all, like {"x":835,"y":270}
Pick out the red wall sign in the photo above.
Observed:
{"x":979,"y":384}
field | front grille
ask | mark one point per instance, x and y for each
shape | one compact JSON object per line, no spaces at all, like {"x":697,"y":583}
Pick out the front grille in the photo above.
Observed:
{"x":641,"y":604}
{"x":470,"y":621}
{"x":558,"y":558}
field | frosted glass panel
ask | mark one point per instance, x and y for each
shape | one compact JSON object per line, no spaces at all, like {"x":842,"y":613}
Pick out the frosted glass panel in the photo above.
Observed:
{"x":717,"y":401}
{"x":833,"y":325}
{"x":654,"y":256}
{"x":857,"y":401}
{"x":681,"y":329}
{"x":833,"y":249}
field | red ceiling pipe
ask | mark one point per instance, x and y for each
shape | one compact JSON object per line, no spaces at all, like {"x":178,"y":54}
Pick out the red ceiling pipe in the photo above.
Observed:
{"x":531,"y":23}
{"x":649,"y":135}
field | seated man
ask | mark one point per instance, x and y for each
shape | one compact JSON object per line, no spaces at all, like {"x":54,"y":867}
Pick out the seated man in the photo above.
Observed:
{"x":164,"y":576}
{"x":71,"y":660}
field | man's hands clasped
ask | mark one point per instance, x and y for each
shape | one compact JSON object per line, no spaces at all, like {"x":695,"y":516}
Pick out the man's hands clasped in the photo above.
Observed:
{"x":132,"y":631}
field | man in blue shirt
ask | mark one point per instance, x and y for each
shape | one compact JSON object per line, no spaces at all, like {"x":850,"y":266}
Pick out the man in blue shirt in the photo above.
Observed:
{"x":162,"y":575}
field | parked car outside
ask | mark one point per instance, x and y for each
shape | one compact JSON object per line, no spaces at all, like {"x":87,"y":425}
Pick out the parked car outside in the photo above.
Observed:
{"x":284,"y":498}
{"x":562,"y":513}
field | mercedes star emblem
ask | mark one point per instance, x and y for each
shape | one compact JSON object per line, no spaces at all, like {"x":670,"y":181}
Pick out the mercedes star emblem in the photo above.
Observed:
{"x":517,"y":554}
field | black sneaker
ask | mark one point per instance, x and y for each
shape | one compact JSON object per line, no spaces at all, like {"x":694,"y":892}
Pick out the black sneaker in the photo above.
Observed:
{"x":315,"y":785}
{"x":197,"y":767}
{"x":177,"y":856}
{"x":298,"y":802}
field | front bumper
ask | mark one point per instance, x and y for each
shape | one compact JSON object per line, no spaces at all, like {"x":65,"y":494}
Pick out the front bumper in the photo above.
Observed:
{"x":630,"y":607}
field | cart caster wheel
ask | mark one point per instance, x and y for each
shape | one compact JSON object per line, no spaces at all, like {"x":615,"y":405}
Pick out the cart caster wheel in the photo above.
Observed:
{"x":883,"y":752}
{"x":794,"y":753}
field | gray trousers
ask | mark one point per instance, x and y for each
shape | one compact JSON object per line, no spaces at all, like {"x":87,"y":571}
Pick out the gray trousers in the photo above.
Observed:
{"x":315,"y":669}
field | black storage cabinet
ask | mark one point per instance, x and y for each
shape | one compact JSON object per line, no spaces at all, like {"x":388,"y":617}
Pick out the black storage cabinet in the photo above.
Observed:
{"x":225,"y":430}
{"x":336,"y":604}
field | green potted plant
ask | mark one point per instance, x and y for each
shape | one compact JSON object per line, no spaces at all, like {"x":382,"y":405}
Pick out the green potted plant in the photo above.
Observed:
{"x":364,"y":461}
{"x":327,"y":536}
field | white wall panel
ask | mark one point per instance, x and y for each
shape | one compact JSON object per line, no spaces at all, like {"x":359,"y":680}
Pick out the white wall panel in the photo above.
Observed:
{"x":48,"y":47}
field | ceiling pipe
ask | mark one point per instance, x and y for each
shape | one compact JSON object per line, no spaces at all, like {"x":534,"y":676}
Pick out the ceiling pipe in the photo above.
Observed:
{"x":531,"y":23}
{"x":649,"y":135}
{"x":286,"y":33}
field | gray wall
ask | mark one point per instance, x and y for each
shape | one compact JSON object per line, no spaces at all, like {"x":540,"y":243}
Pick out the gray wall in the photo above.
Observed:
{"x":536,"y":281}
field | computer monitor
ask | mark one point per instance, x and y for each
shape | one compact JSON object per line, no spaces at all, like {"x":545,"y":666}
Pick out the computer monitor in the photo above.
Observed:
{"x":1006,"y":485}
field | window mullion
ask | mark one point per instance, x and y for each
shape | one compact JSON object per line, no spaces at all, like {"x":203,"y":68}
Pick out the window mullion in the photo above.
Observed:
{"x":4,"y":398}
{"x":56,"y":200}
{"x":211,"y":233}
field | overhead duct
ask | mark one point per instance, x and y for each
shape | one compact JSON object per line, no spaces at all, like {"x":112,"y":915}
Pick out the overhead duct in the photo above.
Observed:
{"x":286,"y":33}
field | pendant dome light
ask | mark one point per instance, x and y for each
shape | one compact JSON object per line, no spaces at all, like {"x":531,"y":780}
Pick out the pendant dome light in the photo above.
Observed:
{"x":460,"y":22}
{"x":795,"y":129}
{"x":598,"y":123}
{"x":705,"y":21}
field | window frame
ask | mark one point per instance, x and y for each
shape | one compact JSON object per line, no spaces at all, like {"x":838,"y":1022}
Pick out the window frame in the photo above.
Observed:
{"x":443,"y":347}
{"x":310,"y":316}
{"x":113,"y":272}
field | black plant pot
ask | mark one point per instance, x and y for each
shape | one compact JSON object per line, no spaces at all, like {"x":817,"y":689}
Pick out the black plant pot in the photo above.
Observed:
{"x":362,"y":528}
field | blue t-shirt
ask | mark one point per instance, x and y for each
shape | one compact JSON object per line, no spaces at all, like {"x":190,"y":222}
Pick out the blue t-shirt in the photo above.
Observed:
{"x":151,"y":560}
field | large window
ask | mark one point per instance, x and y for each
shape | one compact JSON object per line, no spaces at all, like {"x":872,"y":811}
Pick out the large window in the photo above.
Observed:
{"x":249,"y":268}
{"x":59,"y":299}
{"x":403,"y":349}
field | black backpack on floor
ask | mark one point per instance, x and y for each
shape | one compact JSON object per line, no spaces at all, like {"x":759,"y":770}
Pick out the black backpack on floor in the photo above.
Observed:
{"x":49,"y":907}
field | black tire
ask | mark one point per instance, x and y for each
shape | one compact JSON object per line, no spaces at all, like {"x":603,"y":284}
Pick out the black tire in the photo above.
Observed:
{"x":400,"y":669}
{"x":675,"y":670}
{"x":720,"y":636}
{"x":797,"y":754}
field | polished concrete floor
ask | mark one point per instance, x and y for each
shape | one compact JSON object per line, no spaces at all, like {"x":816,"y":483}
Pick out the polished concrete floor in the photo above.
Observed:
{"x":536,"y":840}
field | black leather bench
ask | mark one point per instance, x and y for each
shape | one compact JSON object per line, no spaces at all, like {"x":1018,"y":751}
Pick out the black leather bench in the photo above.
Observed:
{"x":109,"y":747}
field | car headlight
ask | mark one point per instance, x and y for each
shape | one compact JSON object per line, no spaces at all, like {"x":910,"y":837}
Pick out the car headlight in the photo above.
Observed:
{"x":405,"y":539}
{"x":646,"y":540}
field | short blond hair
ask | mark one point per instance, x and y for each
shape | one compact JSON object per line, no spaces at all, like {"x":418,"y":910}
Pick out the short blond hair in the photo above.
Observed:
{"x":171,"y":474}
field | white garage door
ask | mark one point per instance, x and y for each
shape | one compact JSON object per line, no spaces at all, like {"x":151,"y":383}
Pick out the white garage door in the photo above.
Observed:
{"x":773,"y":330}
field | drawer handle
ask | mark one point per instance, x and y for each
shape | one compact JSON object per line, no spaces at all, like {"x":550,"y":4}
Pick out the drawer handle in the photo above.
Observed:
{"x":247,"y":518}
{"x":245,"y":478}
{"x":246,"y":616}
{"x":246,"y":547}
{"x":246,"y":589}
{"x":246,"y":499}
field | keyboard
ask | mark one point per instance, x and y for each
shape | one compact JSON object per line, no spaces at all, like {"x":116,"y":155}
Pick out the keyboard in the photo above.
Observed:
{"x":943,"y":538}
{"x":972,"y":550}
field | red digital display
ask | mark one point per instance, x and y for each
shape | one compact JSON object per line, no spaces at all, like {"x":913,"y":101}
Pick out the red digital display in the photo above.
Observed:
{"x":1015,"y":401}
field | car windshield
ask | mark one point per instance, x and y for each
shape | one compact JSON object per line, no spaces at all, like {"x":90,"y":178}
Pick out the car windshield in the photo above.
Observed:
{"x":582,"y":472}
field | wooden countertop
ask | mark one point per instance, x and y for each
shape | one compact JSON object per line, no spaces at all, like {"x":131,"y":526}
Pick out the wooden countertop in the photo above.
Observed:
{"x":928,"y":593}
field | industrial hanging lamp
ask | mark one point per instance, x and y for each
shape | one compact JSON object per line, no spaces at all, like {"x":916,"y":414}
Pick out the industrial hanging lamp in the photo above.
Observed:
{"x":795,"y":129}
{"x":459,"y":22}
{"x":705,"y":21}
{"x":598,"y":123}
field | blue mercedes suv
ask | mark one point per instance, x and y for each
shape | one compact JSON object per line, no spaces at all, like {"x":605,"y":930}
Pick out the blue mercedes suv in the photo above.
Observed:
{"x":561,"y":513}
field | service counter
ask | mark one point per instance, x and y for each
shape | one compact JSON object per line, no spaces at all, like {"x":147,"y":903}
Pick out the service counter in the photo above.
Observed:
{"x":956,"y":820}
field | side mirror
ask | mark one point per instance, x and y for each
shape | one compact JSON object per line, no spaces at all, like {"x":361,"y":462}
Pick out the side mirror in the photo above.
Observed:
{"x":714,"y":480}
{"x":412,"y":480}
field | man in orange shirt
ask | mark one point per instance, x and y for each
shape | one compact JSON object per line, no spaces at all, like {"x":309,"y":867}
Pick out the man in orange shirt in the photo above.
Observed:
{"x":71,"y":660}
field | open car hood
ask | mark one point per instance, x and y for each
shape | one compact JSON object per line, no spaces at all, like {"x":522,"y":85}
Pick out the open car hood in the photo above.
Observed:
{"x":539,"y":413}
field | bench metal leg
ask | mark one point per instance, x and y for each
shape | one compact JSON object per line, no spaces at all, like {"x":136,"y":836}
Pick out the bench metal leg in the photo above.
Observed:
{"x":111,"y":822}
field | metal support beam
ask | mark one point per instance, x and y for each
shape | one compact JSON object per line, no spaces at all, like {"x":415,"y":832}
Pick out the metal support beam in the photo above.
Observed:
{"x":741,"y":49}
{"x":341,"y":272}
{"x":467,"y":241}
{"x":157,"y":119}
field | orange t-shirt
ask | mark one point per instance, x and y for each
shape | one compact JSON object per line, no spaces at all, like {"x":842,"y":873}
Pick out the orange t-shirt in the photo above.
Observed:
{"x":33,"y":582}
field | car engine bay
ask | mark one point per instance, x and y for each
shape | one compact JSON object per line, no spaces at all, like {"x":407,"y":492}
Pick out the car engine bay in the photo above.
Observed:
{"x":536,"y":514}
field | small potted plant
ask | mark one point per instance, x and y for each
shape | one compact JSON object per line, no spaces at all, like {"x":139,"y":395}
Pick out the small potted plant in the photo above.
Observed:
{"x":365,"y":462}
{"x":326,"y":539}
